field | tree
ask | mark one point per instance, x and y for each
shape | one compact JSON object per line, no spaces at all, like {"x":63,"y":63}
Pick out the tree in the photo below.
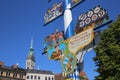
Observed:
{"x":108,"y":53}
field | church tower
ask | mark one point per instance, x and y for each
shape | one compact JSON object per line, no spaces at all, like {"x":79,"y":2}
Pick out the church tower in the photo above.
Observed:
{"x":30,"y":60}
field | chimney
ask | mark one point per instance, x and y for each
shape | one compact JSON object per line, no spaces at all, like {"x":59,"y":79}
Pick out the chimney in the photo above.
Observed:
{"x":1,"y":63}
{"x":14,"y":66}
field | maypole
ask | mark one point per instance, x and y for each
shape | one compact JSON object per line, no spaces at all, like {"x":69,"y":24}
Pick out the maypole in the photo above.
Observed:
{"x":70,"y":51}
{"x":69,"y":32}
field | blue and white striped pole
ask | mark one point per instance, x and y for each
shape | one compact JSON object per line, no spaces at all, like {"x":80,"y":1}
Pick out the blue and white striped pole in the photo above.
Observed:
{"x":77,"y":75}
{"x":69,"y":31}
{"x":68,"y":25}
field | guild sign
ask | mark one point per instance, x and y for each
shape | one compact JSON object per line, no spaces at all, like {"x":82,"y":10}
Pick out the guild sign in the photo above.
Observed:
{"x":97,"y":15}
{"x":57,"y":10}
{"x":69,"y":63}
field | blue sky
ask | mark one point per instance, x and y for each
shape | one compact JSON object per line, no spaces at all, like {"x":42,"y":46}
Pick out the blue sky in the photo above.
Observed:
{"x":22,"y":19}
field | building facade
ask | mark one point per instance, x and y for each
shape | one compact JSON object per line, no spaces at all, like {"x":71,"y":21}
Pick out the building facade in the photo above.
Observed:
{"x":39,"y":75}
{"x":11,"y":73}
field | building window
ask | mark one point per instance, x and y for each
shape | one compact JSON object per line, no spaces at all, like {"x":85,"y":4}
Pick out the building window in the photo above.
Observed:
{"x":7,"y":74}
{"x":52,"y":78}
{"x":15,"y":75}
{"x":11,"y":74}
{"x":45,"y":78}
{"x":1,"y":73}
{"x":49,"y":78}
{"x":21,"y":76}
{"x":27,"y":77}
{"x":35,"y":77}
{"x":38,"y":77}
{"x":31,"y":76}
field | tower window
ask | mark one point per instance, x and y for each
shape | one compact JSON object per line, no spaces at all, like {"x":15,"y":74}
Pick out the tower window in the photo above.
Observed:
{"x":27,"y":67}
{"x":28,"y":63}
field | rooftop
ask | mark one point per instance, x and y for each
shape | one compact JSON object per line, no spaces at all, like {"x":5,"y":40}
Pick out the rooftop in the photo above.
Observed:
{"x":39,"y":71}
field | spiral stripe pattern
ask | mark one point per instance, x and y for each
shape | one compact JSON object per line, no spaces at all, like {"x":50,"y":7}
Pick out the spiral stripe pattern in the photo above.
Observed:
{"x":68,"y":27}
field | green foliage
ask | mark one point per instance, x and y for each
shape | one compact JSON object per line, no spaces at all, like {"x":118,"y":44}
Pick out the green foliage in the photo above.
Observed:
{"x":108,"y":53}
